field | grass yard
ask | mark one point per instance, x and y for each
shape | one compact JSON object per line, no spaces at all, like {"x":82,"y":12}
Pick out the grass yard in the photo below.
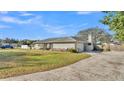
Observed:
{"x":15,"y":62}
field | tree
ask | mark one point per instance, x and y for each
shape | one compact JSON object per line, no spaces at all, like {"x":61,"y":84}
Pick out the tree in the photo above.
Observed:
{"x":10,"y":40}
{"x":26,"y":42}
{"x":7,"y":40}
{"x":115,"y":21}
{"x":98,"y":35}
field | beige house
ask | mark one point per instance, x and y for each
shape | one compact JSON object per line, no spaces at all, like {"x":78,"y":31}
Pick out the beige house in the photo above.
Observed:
{"x":65,"y":43}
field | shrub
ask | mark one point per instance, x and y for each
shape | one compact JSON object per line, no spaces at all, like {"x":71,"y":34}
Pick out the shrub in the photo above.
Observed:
{"x":72,"y":50}
{"x":59,"y":49}
{"x":106,"y":47}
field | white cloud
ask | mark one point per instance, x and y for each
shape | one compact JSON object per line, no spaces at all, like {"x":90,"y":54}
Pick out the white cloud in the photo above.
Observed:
{"x":23,"y":13}
{"x":4,"y":27}
{"x":84,"y":12}
{"x":10,"y":19}
{"x":20,"y":13}
{"x":3,"y":12}
{"x":82,"y":25}
{"x":54,"y":29}
{"x":61,"y":29}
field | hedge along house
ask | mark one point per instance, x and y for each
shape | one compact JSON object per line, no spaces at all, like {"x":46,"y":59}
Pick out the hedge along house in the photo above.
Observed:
{"x":65,"y":43}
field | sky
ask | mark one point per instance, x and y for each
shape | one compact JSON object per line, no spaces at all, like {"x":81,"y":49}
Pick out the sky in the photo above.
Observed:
{"x":47,"y":24}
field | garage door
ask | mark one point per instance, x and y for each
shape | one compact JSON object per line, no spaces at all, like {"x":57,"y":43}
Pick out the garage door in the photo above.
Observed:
{"x":64,"y":45}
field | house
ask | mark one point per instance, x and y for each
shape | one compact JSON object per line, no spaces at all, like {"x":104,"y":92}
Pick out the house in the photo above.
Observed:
{"x":3,"y":44}
{"x":66,"y":43}
{"x":25,"y":47}
{"x":14,"y":45}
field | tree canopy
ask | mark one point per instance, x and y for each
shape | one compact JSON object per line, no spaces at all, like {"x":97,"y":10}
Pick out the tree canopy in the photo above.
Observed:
{"x":98,"y":35}
{"x":115,"y":21}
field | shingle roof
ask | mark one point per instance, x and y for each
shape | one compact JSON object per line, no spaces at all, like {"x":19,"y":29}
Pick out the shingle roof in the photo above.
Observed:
{"x":57,"y":40}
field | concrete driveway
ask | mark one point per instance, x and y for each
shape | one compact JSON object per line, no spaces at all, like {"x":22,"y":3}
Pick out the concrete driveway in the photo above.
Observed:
{"x":101,"y":66}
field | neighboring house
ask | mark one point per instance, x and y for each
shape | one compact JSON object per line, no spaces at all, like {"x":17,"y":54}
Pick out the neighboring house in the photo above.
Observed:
{"x":14,"y":45}
{"x":25,"y":47}
{"x":3,"y":44}
{"x":66,"y":43}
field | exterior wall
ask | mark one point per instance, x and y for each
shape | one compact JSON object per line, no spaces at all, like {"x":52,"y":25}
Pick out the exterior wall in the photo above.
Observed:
{"x":49,"y":46}
{"x":14,"y":45}
{"x":63,"y":45}
{"x":3,"y":44}
{"x":90,"y":38}
{"x":89,"y":47}
{"x":38,"y":46}
{"x":25,"y":47}
{"x":80,"y":47}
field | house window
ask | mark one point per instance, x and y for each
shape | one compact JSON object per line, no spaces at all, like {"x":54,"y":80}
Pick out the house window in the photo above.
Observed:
{"x":89,"y":43}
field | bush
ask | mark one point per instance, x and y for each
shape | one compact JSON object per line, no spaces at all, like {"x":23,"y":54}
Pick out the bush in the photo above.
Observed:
{"x":59,"y":49}
{"x":106,"y":47}
{"x":72,"y":50}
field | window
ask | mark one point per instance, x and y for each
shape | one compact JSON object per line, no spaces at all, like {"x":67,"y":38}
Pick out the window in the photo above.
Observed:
{"x":89,"y":43}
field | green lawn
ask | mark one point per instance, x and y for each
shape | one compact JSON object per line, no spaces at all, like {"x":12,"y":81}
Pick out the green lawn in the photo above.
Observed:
{"x":17,"y":62}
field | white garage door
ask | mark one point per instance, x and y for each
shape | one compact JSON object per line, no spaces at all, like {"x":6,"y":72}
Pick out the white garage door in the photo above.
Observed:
{"x":64,"y":45}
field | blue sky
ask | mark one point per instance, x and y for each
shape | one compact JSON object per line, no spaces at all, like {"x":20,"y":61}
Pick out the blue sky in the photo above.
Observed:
{"x":46,"y":24}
